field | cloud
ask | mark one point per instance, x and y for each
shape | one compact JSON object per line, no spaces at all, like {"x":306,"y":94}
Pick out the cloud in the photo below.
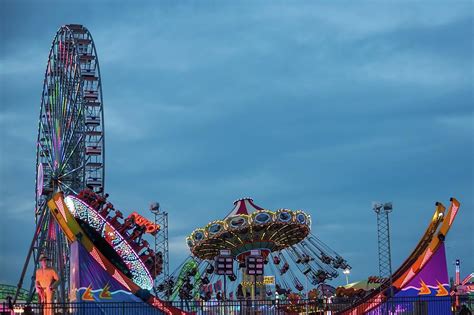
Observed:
{"x":20,"y":63}
{"x":415,"y":69}
{"x":178,"y":250}
{"x":22,"y":209}
{"x":453,"y":121}
{"x":9,"y":122}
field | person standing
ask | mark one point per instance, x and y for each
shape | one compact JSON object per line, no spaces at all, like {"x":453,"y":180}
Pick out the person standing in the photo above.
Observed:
{"x":46,"y":282}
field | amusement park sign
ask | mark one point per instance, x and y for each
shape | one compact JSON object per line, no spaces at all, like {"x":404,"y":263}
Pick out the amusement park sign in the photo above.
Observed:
{"x":267,"y":280}
{"x":151,"y":227}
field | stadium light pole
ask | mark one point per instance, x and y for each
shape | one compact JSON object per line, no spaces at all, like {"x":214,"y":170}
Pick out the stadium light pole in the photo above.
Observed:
{"x":155,"y":209}
{"x":383,"y":236}
{"x":161,"y":245}
{"x":346,"y":272}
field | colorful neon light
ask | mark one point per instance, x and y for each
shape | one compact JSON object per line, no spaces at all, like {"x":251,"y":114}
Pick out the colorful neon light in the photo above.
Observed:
{"x":140,"y":274}
{"x":151,"y":227}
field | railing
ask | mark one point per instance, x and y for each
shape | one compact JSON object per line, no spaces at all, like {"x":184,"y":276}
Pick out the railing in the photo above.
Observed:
{"x":405,"y":305}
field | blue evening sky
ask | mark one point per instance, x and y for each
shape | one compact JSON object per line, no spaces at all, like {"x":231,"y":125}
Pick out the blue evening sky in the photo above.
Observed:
{"x":321,"y":106}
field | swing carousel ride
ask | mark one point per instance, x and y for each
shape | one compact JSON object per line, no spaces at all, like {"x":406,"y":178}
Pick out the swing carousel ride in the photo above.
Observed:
{"x":282,"y":238}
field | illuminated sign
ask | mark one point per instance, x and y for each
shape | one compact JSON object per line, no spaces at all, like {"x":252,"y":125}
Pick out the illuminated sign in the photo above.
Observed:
{"x":269,"y":280}
{"x":151,"y":227}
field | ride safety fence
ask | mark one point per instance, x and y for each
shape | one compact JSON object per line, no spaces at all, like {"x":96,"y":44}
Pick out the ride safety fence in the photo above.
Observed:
{"x":405,"y":305}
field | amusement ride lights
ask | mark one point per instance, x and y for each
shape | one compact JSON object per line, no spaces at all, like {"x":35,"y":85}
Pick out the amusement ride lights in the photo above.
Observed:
{"x":283,"y":238}
{"x":140,"y":274}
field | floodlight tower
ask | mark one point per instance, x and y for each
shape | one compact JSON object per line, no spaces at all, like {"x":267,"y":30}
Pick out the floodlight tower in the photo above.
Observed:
{"x":347,"y":272}
{"x":457,"y":282}
{"x":161,"y":243}
{"x":383,"y":234}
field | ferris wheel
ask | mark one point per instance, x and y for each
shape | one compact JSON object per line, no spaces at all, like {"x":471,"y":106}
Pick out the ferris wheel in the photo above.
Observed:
{"x":70,"y":143}
{"x":70,"y":146}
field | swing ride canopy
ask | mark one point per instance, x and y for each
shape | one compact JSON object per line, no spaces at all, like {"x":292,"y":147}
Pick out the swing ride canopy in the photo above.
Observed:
{"x":248,"y":227}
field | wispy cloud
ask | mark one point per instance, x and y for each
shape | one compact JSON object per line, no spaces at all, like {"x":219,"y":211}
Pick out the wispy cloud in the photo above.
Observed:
{"x":22,"y":209}
{"x":416,"y":69}
{"x":21,"y":62}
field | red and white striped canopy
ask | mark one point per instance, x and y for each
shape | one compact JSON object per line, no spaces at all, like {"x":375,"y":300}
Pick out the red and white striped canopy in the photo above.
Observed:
{"x":244,"y":206}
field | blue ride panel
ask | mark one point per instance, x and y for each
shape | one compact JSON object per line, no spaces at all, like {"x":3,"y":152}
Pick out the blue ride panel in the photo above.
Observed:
{"x":94,"y":291}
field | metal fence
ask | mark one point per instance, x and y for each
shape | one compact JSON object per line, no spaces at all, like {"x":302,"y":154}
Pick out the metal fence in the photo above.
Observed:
{"x":416,"y":305}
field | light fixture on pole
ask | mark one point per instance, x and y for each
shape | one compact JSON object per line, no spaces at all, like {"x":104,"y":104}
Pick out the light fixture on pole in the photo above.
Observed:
{"x":155,"y":207}
{"x":346,"y":272}
{"x":383,"y":236}
{"x":161,"y":246}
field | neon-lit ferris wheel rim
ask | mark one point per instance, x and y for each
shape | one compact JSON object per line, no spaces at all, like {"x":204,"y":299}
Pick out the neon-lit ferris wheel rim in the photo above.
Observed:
{"x":70,"y":145}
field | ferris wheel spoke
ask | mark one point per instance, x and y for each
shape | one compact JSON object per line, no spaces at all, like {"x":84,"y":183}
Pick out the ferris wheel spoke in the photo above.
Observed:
{"x":59,"y":99}
{"x":48,"y":112}
{"x":53,"y":88}
{"x":75,"y":170}
{"x":70,"y":135}
{"x":67,"y":111}
{"x":69,"y":123}
{"x":61,"y":183}
{"x":63,"y":94}
{"x":74,"y":113}
{"x":81,"y":167}
{"x":72,"y":152}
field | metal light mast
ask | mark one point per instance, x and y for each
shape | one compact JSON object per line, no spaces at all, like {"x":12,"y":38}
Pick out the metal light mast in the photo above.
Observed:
{"x":161,"y":242}
{"x":383,"y":234}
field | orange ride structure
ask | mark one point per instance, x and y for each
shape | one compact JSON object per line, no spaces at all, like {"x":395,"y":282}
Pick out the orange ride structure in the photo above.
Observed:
{"x":423,"y":274}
